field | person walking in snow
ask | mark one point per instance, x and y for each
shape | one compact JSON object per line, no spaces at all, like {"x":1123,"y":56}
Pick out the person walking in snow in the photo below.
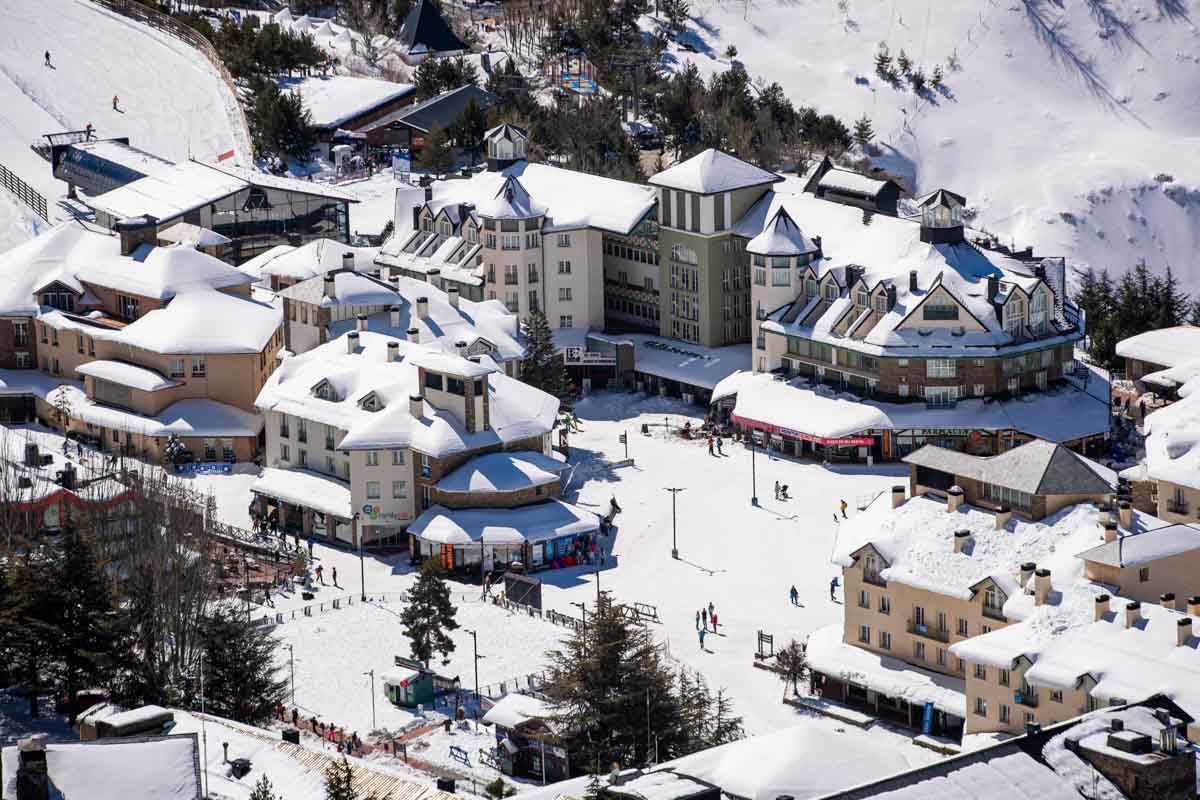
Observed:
{"x":844,"y":507}
{"x":701,"y":634}
{"x":116,"y":103}
{"x":776,"y":490}
{"x":720,"y":452}
{"x":795,"y":595}
{"x":711,"y":609}
{"x":714,"y":621}
{"x":321,"y":574}
{"x":87,"y":131}
{"x":335,"y":583}
{"x":710,"y":446}
{"x":697,"y":620}
{"x":48,"y":64}
{"x":833,"y":584}
{"x":704,"y":618}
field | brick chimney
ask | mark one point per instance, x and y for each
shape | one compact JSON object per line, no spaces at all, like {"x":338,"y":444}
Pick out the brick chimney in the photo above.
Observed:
{"x":348,"y":260}
{"x":1003,"y":516}
{"x":1041,"y":587}
{"x":360,"y":322}
{"x":954,"y":498}
{"x":1133,"y":613}
{"x":395,"y":318}
{"x":1183,"y":631}
{"x":413,"y":335}
{"x":1167,"y":600}
{"x":352,"y":342}
{"x":460,"y":347}
{"x":433,"y":275}
{"x":961,"y":540}
{"x":32,"y":779}
{"x":1125,"y":514}
{"x":416,"y":406}
{"x":1027,"y":570}
{"x":1193,"y":605}
{"x":329,"y":289}
{"x":136,"y":231}
{"x":912,"y":280}
{"x":1110,"y":529}
{"x":393,"y":352}
{"x":452,"y":296}
{"x":897,"y":496}
{"x":1102,"y":607}
{"x":422,"y":307}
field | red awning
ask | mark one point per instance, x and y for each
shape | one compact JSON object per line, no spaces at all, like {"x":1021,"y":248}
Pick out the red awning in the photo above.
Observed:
{"x":831,"y":441}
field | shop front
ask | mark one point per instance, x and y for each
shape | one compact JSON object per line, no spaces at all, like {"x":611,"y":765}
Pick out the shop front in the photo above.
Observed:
{"x":865,"y":447}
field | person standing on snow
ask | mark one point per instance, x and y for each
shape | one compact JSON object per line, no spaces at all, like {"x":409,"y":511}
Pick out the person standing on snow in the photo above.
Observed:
{"x":710,"y":446}
{"x":704,"y":618}
{"x":697,"y":620}
{"x":720,"y":452}
{"x":833,"y":584}
{"x":116,"y":103}
{"x":335,"y":583}
{"x":48,"y":64}
{"x":844,"y":507}
{"x":702,"y":632}
{"x":795,"y":595}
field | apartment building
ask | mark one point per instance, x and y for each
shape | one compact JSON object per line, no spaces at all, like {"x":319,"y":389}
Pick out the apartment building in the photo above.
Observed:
{"x":141,"y":326}
{"x":361,"y":429}
{"x":1168,"y":480}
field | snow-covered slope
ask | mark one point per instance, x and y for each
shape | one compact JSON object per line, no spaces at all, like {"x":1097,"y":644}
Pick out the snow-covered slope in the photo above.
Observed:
{"x":172,"y":102}
{"x":1072,"y":125}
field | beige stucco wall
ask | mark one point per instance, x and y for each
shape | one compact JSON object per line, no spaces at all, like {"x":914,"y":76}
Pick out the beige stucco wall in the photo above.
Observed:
{"x":1178,"y":574}
{"x":940,"y":296}
{"x":585,"y":280}
{"x":1168,"y":509}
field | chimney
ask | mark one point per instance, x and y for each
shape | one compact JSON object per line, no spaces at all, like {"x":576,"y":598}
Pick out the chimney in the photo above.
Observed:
{"x":360,"y":322}
{"x":1133,"y":613}
{"x":897,"y":496}
{"x":452,"y":296}
{"x":961,"y":539}
{"x":393,"y":352}
{"x":433,"y":275}
{"x":422,"y":307}
{"x":416,"y":406}
{"x":1101,"y":607}
{"x":225,"y":747}
{"x":817,"y":242}
{"x":1041,"y":587}
{"x":460,"y":347}
{"x":993,"y":287}
{"x":1026,"y":573}
{"x":1116,"y":725}
{"x":329,"y":289}
{"x":352,"y":342}
{"x":1125,"y":514}
{"x":1110,"y":529}
{"x":348,"y":260}
{"x":912,"y":280}
{"x":1183,"y":631}
{"x":32,"y":779}
{"x":1193,"y":606}
{"x":1003,"y":515}
{"x":395,"y":320}
{"x":1167,"y":600}
{"x":954,"y":498}
{"x":135,"y":232}
{"x":414,"y":335}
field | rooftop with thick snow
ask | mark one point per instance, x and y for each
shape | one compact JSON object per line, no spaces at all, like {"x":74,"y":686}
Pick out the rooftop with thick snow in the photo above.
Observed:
{"x":544,"y":521}
{"x":503,"y":472}
{"x":516,"y":410}
{"x":334,"y":100}
{"x":1145,"y":547}
{"x":1173,"y":439}
{"x":309,"y":260}
{"x":1167,"y":347}
{"x":712,"y":171}
{"x":149,"y":768}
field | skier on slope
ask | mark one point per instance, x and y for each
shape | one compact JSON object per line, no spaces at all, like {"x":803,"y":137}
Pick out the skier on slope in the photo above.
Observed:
{"x":48,"y":64}
{"x":116,"y":103}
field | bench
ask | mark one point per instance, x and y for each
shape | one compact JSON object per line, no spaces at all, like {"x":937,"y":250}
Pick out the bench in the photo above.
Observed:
{"x":459,"y":754}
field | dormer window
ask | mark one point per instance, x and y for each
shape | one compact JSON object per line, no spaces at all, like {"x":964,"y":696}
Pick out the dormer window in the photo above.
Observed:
{"x":1014,"y":316}
{"x":831,"y":292}
{"x":881,"y":303}
{"x":370,"y":403}
{"x":324,"y":391}
{"x":862,"y":299}
{"x":810,"y":287}
{"x":939,"y":310}
{"x":1037,"y":313}
{"x":472,"y":234}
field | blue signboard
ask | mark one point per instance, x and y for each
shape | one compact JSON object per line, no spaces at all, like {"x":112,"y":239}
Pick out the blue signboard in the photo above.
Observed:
{"x":401,"y":164}
{"x":927,"y":719}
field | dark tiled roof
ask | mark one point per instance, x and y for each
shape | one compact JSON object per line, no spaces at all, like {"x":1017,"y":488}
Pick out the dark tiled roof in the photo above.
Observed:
{"x":443,"y":109}
{"x":426,"y":26}
{"x":1036,"y":467}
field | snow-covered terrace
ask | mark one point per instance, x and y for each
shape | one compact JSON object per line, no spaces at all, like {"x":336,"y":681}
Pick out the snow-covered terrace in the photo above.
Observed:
{"x":1167,"y":347}
{"x":334,"y":100}
{"x":307,"y":489}
{"x":126,"y":374}
{"x":552,"y":519}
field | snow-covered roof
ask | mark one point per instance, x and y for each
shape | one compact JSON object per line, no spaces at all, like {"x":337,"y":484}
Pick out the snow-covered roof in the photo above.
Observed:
{"x":781,"y":237}
{"x":148,"y":768}
{"x":763,"y":398}
{"x":1166,"y":347}
{"x":551,"y":519}
{"x":309,"y":260}
{"x":270,"y":180}
{"x":161,"y":272}
{"x":1145,"y":547}
{"x":335,"y":100}
{"x":511,"y":201}
{"x":514,"y":710}
{"x":890,"y":676}
{"x":712,"y":171}
{"x":118,"y":152}
{"x":503,"y":472}
{"x":205,"y":322}
{"x":917,"y":542}
{"x":1036,"y":467}
{"x":692,"y":364}
{"x":516,"y":410}
{"x":53,"y":255}
{"x":349,"y":288}
{"x":195,"y":235}
{"x":305,"y":488}
{"x":853,"y":182}
{"x":168,"y":192}
{"x":195,"y":417}
{"x":571,"y":199}
{"x":450,"y":364}
{"x":1173,"y":439}
{"x":126,"y":374}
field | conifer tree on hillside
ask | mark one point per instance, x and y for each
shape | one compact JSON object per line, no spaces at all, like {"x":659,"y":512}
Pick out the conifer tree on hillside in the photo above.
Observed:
{"x":792,"y":664}
{"x":864,"y":133}
{"x":614,"y":695}
{"x":339,"y":781}
{"x":263,"y":790}
{"x":436,"y":156}
{"x":27,"y":613}
{"x":242,"y":681}
{"x":904,"y":63}
{"x":1171,"y":305}
{"x":883,"y":64}
{"x":429,"y":616}
{"x":469,"y":129}
{"x":543,"y":367}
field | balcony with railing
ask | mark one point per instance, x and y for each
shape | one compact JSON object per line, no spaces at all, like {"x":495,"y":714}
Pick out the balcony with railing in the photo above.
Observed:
{"x":994,"y":612}
{"x":928,"y":631}
{"x":1177,"y":507}
{"x":874,"y":578}
{"x":1027,"y":697}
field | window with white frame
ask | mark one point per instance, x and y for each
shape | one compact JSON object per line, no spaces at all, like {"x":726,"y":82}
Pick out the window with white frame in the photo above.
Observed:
{"x":372,"y":458}
{"x":1015,"y":317}
{"x":284,"y":455}
{"x":864,"y":634}
{"x":564,"y":240}
{"x":1004,"y":715}
{"x":980,"y":707}
{"x":831,"y":291}
{"x":177,"y":368}
{"x":198,"y":367}
{"x":941,"y":396}
{"x":939,"y":368}
{"x":397,"y":458}
{"x":1037,"y":312}
{"x":564,"y":267}
{"x":566,"y":321}
{"x":372,"y":490}
{"x":399,"y":490}
{"x":885,"y":640}
{"x":864,"y":598}
{"x":885,"y":604}
{"x":564,"y":294}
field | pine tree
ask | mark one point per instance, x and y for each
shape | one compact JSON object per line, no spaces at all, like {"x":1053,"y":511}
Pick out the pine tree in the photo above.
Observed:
{"x":1171,"y":304}
{"x":792,"y":664}
{"x":544,"y":366}
{"x":29,"y":613}
{"x":436,"y":155}
{"x":429,"y":616}
{"x":87,"y":645}
{"x":883,"y":64}
{"x":938,"y":77}
{"x":469,"y":129}
{"x":917,"y":80}
{"x":596,"y":789}
{"x":613,"y":694}
{"x":1194,"y":319}
{"x":727,"y":726}
{"x":904,"y":63}
{"x":339,"y":781}
{"x":263,"y":790}
{"x":241,"y":678}
{"x":864,"y":133}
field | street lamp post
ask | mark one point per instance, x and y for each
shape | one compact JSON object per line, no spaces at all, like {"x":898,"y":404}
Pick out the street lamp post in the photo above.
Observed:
{"x":362,"y":571}
{"x":475,"y":649}
{"x":583,"y":608}
{"x":292,"y":664}
{"x":674,"y":546}
{"x":203,"y":728}
{"x":372,"y":674}
{"x":753,"y":474}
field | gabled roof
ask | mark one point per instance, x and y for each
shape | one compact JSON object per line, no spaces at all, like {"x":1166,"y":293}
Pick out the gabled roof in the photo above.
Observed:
{"x":713,"y":171}
{"x":511,"y":201}
{"x":939,"y":196}
{"x":506,"y":130}
{"x":1036,"y":467}
{"x":425,"y":27}
{"x":441,"y":110}
{"x":781,"y":237}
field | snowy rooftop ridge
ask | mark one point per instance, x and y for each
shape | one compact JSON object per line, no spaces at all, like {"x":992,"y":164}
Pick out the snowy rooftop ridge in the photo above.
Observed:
{"x":712,"y":171}
{"x":150,"y":767}
{"x":1167,"y":347}
{"x":1173,"y":439}
{"x":334,"y":100}
{"x":503,"y":472}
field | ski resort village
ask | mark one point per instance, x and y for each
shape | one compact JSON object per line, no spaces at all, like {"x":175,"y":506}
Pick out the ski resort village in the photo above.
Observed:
{"x":599,"y":399}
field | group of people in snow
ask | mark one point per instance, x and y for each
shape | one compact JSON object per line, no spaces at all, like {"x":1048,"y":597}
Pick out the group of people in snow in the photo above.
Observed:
{"x":703,"y":617}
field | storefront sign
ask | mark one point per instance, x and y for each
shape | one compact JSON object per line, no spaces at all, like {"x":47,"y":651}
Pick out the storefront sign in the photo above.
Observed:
{"x":376,"y":513}
{"x":577,"y":355}
{"x":831,"y":441}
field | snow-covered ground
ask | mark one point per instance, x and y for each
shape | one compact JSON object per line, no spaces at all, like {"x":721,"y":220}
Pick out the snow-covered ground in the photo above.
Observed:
{"x":172,"y":102}
{"x":1068,"y":125}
